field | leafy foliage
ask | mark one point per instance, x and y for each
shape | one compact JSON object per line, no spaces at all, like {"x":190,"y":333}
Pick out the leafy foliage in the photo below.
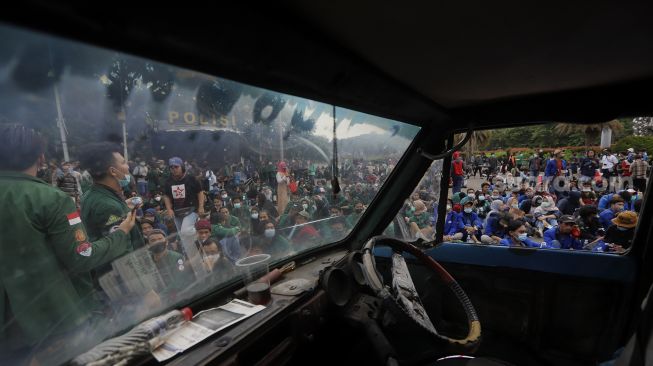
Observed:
{"x":636,"y":142}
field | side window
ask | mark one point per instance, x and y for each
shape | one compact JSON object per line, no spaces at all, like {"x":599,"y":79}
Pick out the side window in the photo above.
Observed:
{"x":550,"y":186}
{"x":418,"y":215}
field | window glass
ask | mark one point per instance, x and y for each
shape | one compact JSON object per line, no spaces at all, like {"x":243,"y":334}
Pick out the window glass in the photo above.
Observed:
{"x":553,"y":186}
{"x":214,"y":171}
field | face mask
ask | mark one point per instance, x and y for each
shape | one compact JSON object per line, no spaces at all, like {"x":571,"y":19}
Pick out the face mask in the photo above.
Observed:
{"x":236,"y":205}
{"x":69,"y":170}
{"x":304,"y":205}
{"x":495,"y":197}
{"x":448,"y":207}
{"x":523,"y":236}
{"x":622,"y":228}
{"x":515,"y":206}
{"x":481,"y":198}
{"x":224,"y":196}
{"x":471,"y":195}
{"x":157,"y":198}
{"x":255,"y":216}
{"x":468,"y":210}
{"x":213,"y":257}
{"x":157,"y":247}
{"x":269,"y":233}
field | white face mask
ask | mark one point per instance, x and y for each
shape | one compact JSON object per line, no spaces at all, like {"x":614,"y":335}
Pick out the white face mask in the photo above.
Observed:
{"x":157,"y":198}
{"x":255,"y":216}
{"x":269,"y":233}
{"x":481,"y":198}
{"x":236,"y":205}
{"x":471,"y":195}
{"x":448,"y":207}
{"x":468,"y":210}
{"x":523,"y":236}
{"x":224,"y":196}
{"x":304,"y":205}
{"x":213,"y":257}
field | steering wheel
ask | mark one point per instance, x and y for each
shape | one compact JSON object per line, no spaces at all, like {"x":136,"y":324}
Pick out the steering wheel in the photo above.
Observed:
{"x":403,"y":294}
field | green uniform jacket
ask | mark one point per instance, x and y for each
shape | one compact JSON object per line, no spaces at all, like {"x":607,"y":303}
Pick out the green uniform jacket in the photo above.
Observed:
{"x":220,"y":231}
{"x":102,"y":211}
{"x":422,"y":220}
{"x":176,"y":275}
{"x":43,"y":248}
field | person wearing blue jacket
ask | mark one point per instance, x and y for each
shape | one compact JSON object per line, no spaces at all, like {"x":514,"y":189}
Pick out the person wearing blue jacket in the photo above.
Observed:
{"x":554,"y":167}
{"x":452,"y":225}
{"x":472,"y":224}
{"x":560,"y":237}
{"x":496,"y":224}
{"x":517,"y":236}
{"x":616,"y":206}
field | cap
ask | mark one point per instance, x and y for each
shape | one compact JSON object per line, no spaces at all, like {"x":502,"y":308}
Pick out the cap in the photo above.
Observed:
{"x":203,"y":225}
{"x":627,"y":219}
{"x":630,"y":149}
{"x":566,"y":218}
{"x":175,"y":161}
{"x":466,"y":200}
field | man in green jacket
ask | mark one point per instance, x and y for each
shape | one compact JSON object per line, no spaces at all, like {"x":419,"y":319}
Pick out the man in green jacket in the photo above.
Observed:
{"x":43,"y":247}
{"x":227,"y":225}
{"x":103,"y":205}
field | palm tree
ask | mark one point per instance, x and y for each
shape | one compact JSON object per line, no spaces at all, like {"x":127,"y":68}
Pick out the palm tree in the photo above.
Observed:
{"x":478,"y":138}
{"x":592,"y":132}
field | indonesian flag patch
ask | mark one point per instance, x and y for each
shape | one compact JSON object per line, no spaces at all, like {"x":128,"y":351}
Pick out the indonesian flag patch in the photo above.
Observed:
{"x":85,"y":249}
{"x":74,"y":219}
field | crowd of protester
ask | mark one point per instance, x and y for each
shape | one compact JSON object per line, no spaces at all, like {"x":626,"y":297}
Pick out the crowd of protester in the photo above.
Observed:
{"x":588,"y":202}
{"x":222,"y":214}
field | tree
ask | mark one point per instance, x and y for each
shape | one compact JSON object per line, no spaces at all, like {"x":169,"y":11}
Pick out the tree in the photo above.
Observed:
{"x":479,"y":138}
{"x":592,"y":132}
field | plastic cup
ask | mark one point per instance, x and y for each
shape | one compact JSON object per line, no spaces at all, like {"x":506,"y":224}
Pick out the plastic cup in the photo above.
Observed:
{"x":254,"y":270}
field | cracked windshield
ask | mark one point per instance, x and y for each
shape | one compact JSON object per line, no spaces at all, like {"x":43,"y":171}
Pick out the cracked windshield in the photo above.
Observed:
{"x":552,"y":186}
{"x":130,"y":187}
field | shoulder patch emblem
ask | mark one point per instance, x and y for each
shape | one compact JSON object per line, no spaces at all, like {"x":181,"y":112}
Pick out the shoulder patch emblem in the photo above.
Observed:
{"x":84,"y":249}
{"x":73,"y":218}
{"x":79,"y":235}
{"x":113,"y":219}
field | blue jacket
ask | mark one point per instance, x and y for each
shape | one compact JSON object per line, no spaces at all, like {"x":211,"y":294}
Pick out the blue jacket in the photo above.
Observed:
{"x":604,"y":201}
{"x":507,"y":241}
{"x":605,"y":218}
{"x":566,"y":241}
{"x":452,"y":223}
{"x":551,"y":169}
{"x":492,"y":226}
{"x":471,"y":219}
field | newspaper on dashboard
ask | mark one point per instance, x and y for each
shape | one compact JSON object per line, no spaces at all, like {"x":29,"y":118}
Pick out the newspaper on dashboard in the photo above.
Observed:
{"x":203,"y":325}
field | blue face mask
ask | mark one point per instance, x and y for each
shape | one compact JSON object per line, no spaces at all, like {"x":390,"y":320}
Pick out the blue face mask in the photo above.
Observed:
{"x":622,"y":228}
{"x":124,"y":182}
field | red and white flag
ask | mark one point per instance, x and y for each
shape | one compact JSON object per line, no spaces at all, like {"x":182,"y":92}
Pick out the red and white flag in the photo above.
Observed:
{"x":74,"y":219}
